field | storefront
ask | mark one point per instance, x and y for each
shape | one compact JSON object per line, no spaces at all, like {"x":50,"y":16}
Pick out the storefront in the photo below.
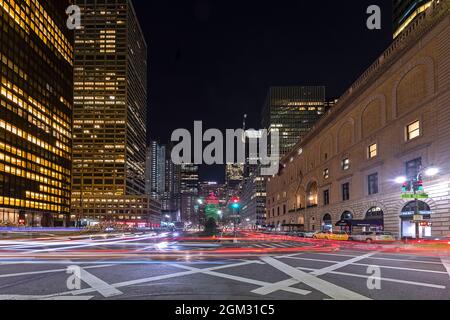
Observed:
{"x":374,"y":221}
{"x":423,"y":219}
{"x":346,"y":222}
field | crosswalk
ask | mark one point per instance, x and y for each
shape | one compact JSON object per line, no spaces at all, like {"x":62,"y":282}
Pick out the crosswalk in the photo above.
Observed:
{"x":274,"y":245}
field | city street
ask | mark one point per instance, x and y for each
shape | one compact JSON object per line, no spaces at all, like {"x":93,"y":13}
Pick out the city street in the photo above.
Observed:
{"x":165,"y":266}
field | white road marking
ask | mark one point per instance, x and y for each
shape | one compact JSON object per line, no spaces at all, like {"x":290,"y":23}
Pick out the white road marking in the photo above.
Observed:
{"x":277,"y":245}
{"x":367,"y":265}
{"x":30,"y":297}
{"x":270,"y":288}
{"x":422,"y":284}
{"x":99,"y":285}
{"x":323,"y":286}
{"x":285,"y":286}
{"x":341,"y":264}
{"x":155,"y":278}
{"x":446,"y":262}
{"x":377,"y":258}
{"x":48,"y":271}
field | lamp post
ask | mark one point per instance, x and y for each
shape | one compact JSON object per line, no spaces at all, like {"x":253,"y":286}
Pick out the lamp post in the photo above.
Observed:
{"x":416,"y":184}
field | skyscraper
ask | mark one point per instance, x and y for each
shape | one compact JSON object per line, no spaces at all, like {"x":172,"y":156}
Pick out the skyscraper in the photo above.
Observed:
{"x":293,"y":111}
{"x":155,"y":169}
{"x":110,"y":115}
{"x":405,"y":11}
{"x":189,"y":189}
{"x":36,"y":64}
{"x":234,"y":175}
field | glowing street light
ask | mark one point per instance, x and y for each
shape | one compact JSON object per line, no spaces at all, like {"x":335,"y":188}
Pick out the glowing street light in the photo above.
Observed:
{"x":401,"y":180}
{"x":431,"y":172}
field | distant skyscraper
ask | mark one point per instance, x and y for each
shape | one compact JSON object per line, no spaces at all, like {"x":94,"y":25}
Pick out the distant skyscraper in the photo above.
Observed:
{"x":189,"y":189}
{"x":405,"y":11}
{"x":110,"y":113}
{"x":36,"y":98}
{"x":234,"y":175}
{"x":155,"y":169}
{"x":293,"y":111}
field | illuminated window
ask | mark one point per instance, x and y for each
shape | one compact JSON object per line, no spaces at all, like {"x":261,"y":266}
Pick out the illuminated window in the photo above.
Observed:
{"x":372,"y":151}
{"x":413,"y":130}
{"x":345,"y":164}
{"x":326,"y":174}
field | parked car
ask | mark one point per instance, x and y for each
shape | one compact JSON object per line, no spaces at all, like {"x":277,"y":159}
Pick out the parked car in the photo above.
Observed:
{"x":308,"y":234}
{"x":335,"y":235}
{"x":373,"y":236}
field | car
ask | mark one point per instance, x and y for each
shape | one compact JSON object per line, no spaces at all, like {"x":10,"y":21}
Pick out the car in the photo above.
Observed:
{"x":308,"y":234}
{"x":373,"y":236}
{"x":335,"y":235}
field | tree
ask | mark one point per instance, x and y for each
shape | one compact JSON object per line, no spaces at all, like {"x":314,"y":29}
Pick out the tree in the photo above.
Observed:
{"x":211,"y":227}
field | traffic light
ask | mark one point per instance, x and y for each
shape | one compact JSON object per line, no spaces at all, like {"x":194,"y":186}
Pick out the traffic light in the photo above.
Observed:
{"x":420,"y":184}
{"x":235,"y":203}
{"x":406,"y":187}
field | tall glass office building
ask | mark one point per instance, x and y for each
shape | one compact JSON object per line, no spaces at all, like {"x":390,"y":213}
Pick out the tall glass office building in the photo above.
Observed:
{"x":293,"y":111}
{"x":36,"y":63}
{"x":110,"y":115}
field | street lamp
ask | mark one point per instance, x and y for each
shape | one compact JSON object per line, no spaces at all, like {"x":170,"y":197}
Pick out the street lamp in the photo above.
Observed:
{"x":415,"y":183}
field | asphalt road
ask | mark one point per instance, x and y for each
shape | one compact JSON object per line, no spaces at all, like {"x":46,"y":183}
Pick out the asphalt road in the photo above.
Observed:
{"x":147,"y":267}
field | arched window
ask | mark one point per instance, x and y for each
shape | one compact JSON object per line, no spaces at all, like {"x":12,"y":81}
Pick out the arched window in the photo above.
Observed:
{"x":312,"y":194}
{"x":410,"y":208}
{"x":374,"y":213}
{"x":327,"y":219}
{"x":347,"y":215}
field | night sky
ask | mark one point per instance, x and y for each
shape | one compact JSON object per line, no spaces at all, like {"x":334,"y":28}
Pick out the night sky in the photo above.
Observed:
{"x":215,"y":60}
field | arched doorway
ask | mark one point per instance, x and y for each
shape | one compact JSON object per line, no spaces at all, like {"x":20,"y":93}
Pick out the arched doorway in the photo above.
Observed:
{"x":327,"y":224}
{"x":345,"y":222}
{"x":374,"y":219}
{"x":408,"y":225}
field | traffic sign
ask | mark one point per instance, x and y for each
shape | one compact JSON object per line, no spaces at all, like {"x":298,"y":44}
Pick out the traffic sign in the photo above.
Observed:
{"x":415,"y":196}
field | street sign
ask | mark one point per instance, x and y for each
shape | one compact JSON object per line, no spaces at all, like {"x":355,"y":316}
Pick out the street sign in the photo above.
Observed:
{"x":418,"y":217}
{"x":415,"y":196}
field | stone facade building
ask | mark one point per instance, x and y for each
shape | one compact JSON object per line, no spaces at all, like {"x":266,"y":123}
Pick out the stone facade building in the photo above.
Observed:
{"x":393,"y":121}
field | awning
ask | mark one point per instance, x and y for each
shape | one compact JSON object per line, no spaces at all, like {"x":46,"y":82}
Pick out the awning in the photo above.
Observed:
{"x":344,"y":223}
{"x":360,"y":223}
{"x":367,"y":223}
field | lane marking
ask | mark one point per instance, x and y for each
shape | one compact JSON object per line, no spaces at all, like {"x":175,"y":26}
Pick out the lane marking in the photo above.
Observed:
{"x":422,"y":284}
{"x":378,"y":258}
{"x":314,"y":282}
{"x":270,"y":288}
{"x":446,"y":262}
{"x":368,"y":265}
{"x":30,"y":297}
{"x":341,"y":264}
{"x":285,"y":286}
{"x":154,"y":278}
{"x":49,"y":271}
{"x":102,"y":287}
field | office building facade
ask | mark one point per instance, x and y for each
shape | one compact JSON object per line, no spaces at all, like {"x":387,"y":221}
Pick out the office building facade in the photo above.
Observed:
{"x":393,"y":122}
{"x":36,"y":100}
{"x":110,"y":116}
{"x":189,"y":192}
